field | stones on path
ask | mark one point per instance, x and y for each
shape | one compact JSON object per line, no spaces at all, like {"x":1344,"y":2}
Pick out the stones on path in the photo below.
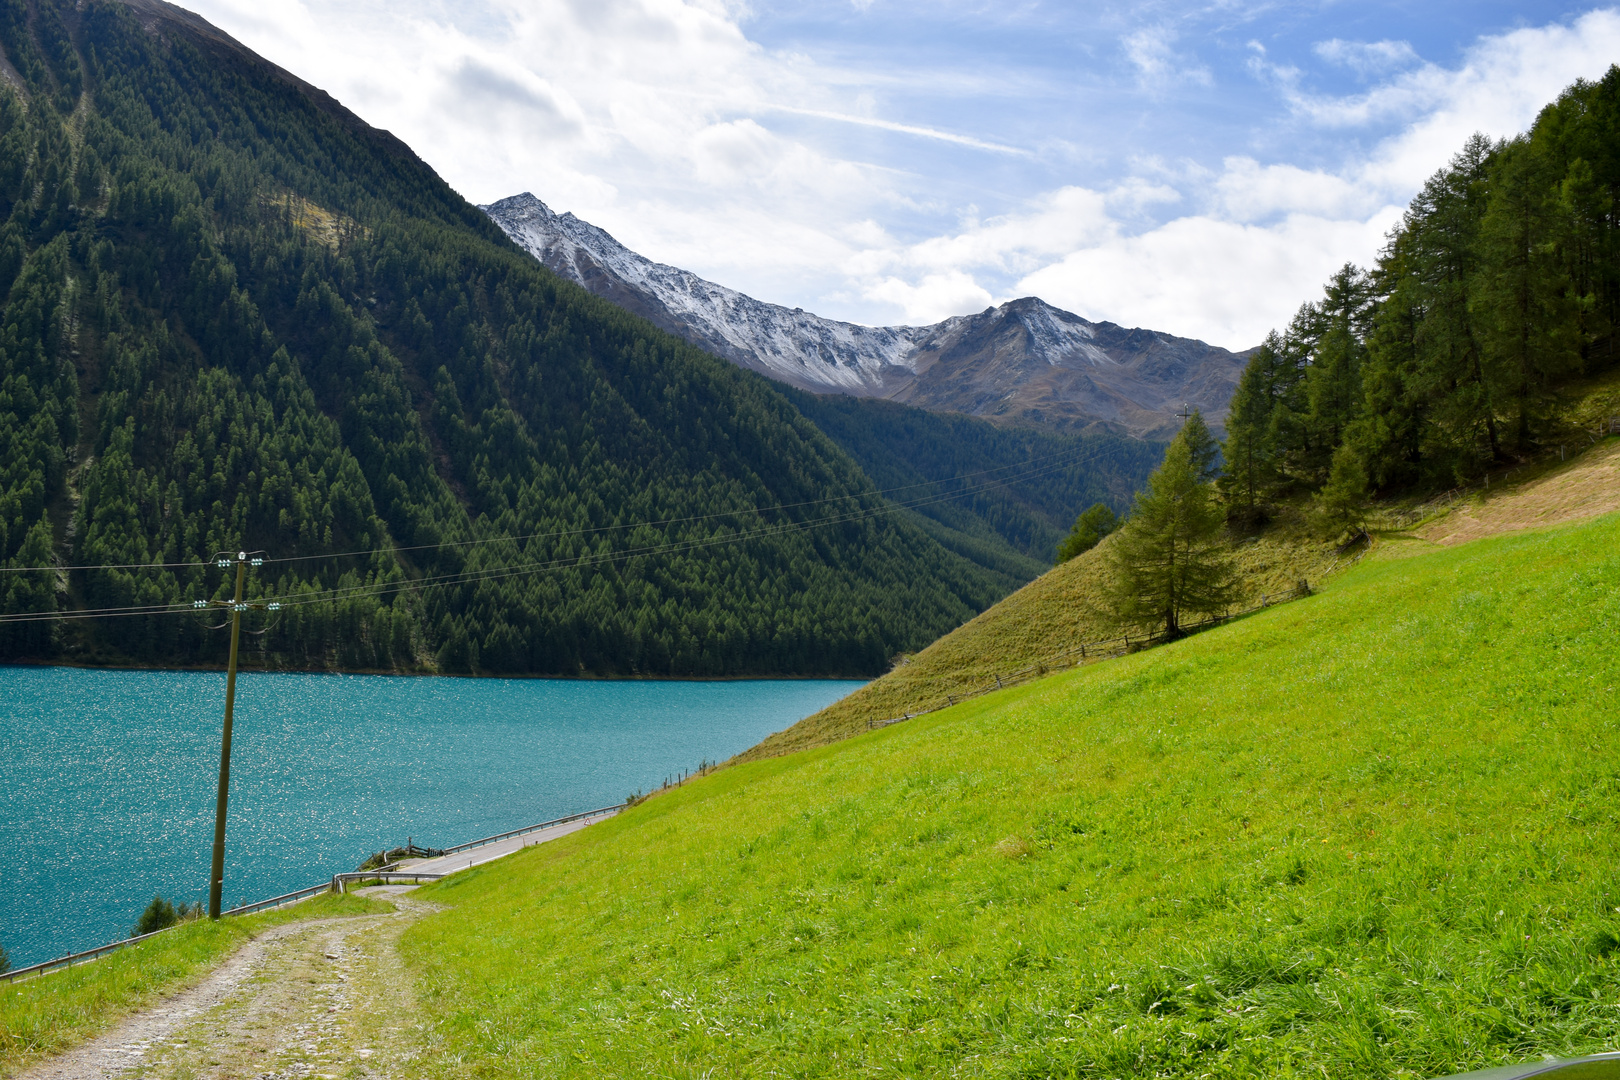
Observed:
{"x":304,"y":1001}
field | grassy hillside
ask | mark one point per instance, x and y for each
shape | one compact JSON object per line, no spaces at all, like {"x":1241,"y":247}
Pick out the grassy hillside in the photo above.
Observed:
{"x":1576,"y":478}
{"x":1372,"y":833}
{"x":1058,"y":610}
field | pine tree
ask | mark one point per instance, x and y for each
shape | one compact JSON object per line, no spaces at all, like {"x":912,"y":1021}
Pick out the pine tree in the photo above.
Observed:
{"x":1522,"y":298}
{"x":1168,"y":561}
{"x":1333,"y":383}
{"x":159,"y":915}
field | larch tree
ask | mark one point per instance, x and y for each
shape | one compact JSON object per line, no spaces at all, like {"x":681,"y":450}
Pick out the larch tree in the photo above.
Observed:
{"x":1168,"y":561}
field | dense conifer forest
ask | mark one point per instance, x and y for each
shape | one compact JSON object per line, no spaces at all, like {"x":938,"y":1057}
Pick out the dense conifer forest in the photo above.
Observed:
{"x":1441,"y":362}
{"x":237,"y":317}
{"x":1020,"y":488}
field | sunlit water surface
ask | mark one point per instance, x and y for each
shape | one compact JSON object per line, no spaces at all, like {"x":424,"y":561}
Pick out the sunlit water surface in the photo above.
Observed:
{"x":108,"y":778}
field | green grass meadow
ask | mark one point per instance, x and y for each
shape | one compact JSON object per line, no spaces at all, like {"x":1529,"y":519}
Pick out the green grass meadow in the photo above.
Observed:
{"x":1368,"y":834}
{"x":46,"y":1014}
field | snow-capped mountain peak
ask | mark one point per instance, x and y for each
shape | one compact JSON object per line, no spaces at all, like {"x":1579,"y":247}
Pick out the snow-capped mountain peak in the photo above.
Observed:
{"x":1024,"y":360}
{"x":786,"y":343}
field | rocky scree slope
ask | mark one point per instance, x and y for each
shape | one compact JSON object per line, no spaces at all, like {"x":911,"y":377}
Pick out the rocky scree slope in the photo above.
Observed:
{"x":1024,"y":361}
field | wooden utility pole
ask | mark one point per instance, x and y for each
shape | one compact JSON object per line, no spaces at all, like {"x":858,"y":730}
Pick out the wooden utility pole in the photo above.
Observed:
{"x":216,"y":876}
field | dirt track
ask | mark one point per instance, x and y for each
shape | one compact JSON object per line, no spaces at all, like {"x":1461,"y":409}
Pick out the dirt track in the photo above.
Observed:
{"x":324,"y":998}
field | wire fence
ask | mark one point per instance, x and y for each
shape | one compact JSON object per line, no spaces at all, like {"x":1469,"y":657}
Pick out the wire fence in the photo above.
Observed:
{"x":1104,"y":649}
{"x":1436,"y":503}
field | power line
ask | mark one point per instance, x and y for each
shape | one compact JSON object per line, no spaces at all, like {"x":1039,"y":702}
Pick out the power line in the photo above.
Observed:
{"x":498,"y":572}
{"x":98,"y":613}
{"x":102,"y":566}
{"x":1088,"y":454}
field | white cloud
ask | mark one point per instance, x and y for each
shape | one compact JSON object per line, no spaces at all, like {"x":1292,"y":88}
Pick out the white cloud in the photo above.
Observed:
{"x":935,"y":297}
{"x":904,"y":129}
{"x":1222,"y":281}
{"x":1152,"y":49}
{"x":1247,"y":191}
{"x":1056,"y":223}
{"x":661,"y":121}
{"x":1367,"y":57}
{"x":1266,"y":236}
{"x":1501,"y":84}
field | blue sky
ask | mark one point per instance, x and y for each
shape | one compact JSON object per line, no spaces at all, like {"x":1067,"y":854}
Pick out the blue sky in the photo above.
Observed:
{"x":1197,"y":168}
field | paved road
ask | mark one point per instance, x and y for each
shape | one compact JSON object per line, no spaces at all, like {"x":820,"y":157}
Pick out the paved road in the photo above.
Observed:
{"x":461,"y":860}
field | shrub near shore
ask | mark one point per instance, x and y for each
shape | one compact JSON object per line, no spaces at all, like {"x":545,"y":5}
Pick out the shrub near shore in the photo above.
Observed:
{"x":1368,"y":834}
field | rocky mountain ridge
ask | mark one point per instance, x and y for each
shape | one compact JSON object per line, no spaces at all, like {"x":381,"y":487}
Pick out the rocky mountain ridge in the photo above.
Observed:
{"x":1024,"y":361}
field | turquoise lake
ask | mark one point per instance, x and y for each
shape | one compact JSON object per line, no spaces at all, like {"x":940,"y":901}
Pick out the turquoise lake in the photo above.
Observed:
{"x":109,"y":777}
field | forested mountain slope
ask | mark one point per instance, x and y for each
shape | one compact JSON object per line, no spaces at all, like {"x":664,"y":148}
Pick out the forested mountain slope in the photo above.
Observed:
{"x":1446,"y":359}
{"x":1003,"y":496}
{"x":238,"y":317}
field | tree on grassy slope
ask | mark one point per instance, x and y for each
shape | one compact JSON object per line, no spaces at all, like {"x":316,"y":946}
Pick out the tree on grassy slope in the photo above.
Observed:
{"x":1090,"y":527}
{"x":1340,"y":508}
{"x":1202,"y":446}
{"x":1168,"y":560}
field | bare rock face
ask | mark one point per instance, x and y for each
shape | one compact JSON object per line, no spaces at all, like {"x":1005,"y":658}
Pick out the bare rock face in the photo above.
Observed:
{"x":1022,"y":362}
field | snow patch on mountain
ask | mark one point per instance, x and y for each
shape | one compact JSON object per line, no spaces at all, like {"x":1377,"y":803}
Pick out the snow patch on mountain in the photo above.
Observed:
{"x":1023,"y":361}
{"x":788,"y":343}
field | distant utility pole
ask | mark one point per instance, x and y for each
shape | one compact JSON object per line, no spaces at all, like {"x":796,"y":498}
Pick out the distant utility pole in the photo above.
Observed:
{"x":242,"y":560}
{"x":1185,"y":414}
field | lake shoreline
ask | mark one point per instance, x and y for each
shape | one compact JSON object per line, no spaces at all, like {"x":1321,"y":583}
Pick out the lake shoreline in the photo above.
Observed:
{"x":112,"y":775}
{"x":243,"y":669}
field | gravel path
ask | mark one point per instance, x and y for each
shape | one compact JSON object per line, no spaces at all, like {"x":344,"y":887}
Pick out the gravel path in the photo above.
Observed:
{"x":323,"y":998}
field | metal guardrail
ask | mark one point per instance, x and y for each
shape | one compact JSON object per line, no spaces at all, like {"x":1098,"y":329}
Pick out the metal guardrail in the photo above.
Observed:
{"x":280,"y":901}
{"x":63,"y":962}
{"x":341,"y":882}
{"x":606,"y":811}
{"x":338,"y":884}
